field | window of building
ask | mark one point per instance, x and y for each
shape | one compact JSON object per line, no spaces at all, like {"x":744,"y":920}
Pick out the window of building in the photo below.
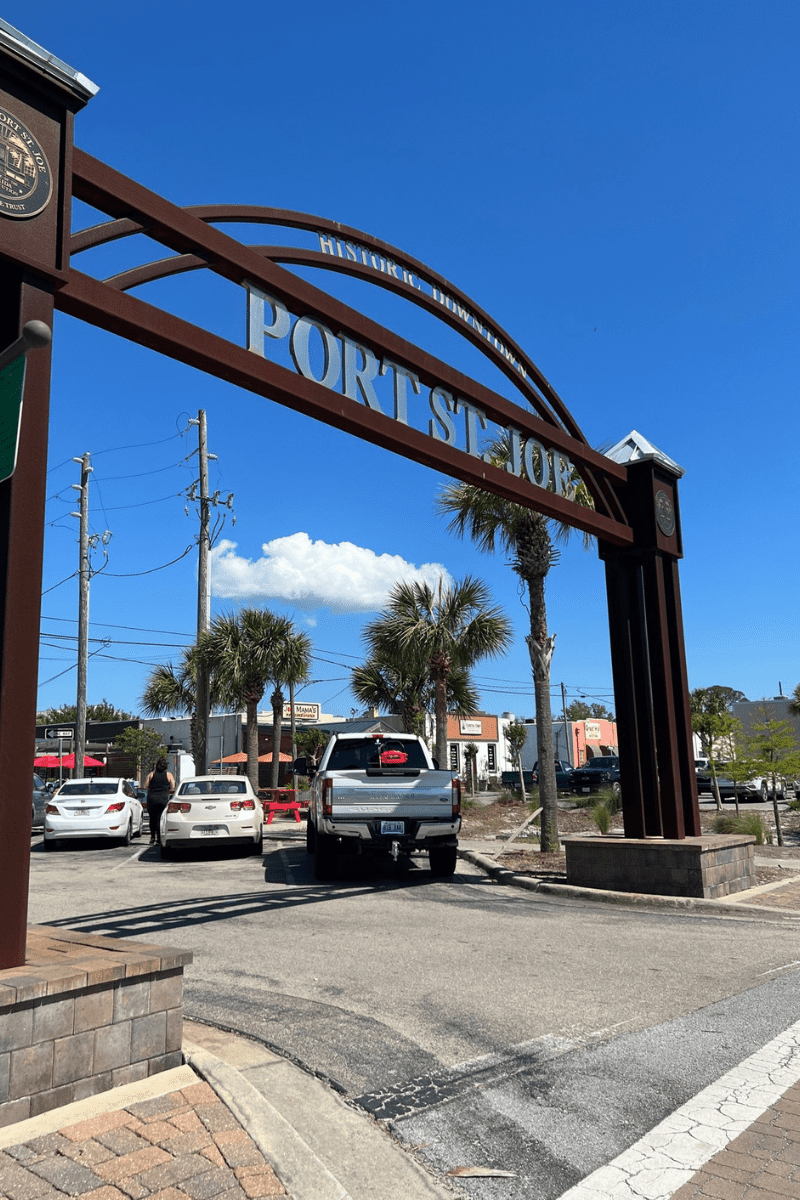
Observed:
{"x":454,"y":756}
{"x":491,"y":757}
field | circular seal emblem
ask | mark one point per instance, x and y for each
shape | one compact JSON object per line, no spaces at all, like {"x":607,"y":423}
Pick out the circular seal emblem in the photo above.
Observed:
{"x":26,"y":181}
{"x":665,"y":514}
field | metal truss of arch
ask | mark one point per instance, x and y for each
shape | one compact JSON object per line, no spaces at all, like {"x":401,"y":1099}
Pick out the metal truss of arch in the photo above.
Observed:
{"x":196,"y":244}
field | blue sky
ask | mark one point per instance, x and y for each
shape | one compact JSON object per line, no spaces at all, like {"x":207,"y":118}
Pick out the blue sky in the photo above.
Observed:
{"x":615,"y":184}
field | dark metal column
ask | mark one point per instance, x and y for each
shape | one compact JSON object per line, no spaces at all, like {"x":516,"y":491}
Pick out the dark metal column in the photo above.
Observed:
{"x":21,"y":547}
{"x":659,"y":787}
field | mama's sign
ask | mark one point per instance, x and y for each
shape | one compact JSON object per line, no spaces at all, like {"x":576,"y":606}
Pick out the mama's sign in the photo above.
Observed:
{"x":340,"y":363}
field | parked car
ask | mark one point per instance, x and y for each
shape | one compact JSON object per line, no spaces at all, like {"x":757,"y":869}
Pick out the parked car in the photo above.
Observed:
{"x":41,"y":794}
{"x":89,"y":808}
{"x":751,"y":790}
{"x":218,"y":808}
{"x":596,"y":774}
{"x":563,"y":775}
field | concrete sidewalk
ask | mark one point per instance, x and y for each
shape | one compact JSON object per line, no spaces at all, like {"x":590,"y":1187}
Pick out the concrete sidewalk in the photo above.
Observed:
{"x":236,"y":1122}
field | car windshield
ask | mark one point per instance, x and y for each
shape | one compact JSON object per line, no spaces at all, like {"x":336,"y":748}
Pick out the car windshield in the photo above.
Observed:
{"x":89,"y":787}
{"x":603,"y":760}
{"x":213,"y":787}
{"x":359,"y":753}
{"x":38,"y":783}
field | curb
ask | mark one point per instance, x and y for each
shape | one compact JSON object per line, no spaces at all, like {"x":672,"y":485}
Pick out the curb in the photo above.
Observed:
{"x":638,"y":899}
{"x":303,"y":1175}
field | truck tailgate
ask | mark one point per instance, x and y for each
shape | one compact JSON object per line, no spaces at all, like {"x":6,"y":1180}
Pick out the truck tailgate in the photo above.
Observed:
{"x":358,"y":795}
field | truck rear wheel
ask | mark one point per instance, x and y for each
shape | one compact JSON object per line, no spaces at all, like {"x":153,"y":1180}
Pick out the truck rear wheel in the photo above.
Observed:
{"x":309,"y":836}
{"x":443,"y":860}
{"x":324,"y":856}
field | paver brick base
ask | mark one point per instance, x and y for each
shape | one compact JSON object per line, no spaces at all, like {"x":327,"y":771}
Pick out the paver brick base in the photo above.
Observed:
{"x":710,"y":866}
{"x":85,"y":1014}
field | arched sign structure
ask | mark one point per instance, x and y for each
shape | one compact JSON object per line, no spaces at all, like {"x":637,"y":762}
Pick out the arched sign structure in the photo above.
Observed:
{"x":347,"y":371}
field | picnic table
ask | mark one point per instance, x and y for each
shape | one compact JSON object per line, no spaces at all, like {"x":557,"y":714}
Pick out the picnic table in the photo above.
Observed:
{"x":282,"y":800}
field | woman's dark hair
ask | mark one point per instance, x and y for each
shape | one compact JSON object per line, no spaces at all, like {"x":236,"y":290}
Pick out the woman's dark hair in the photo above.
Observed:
{"x":161,"y":764}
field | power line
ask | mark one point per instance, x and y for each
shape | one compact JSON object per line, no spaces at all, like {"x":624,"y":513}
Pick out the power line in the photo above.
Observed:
{"x":133,"y":574}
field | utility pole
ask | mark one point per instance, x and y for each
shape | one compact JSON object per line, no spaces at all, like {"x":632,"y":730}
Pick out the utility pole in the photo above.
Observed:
{"x":203,"y":605}
{"x":567,"y":743}
{"x":83,"y":613}
{"x":206,"y":502}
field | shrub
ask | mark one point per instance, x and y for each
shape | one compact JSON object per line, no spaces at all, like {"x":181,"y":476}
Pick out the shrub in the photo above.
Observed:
{"x":750,"y":822}
{"x":601,"y":816}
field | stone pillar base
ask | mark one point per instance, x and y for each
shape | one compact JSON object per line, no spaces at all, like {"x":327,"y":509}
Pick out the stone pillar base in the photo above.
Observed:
{"x":711,"y":866}
{"x":85,"y":1014}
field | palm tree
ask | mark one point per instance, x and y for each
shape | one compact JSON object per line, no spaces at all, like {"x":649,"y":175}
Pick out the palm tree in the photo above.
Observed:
{"x":446,"y":629}
{"x":170,"y":691}
{"x":242,"y":651}
{"x":529,"y":539}
{"x":292,"y":660}
{"x":398,"y":685}
{"x":516,"y":736}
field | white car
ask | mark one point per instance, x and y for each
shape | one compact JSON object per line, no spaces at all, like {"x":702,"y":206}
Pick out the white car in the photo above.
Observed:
{"x":212,"y":808}
{"x":93,"y":808}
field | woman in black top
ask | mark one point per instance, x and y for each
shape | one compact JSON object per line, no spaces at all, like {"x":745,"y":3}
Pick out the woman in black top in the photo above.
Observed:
{"x":160,"y":786}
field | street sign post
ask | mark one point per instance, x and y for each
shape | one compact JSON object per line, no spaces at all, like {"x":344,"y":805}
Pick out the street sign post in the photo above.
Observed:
{"x":53,"y":731}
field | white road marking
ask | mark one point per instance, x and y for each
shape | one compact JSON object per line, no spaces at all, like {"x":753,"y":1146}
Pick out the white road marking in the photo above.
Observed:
{"x":668,"y":1156}
{"x":785,"y":967}
{"x":132,"y":858}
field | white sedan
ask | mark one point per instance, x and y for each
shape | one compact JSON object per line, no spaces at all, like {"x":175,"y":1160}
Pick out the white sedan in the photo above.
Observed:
{"x":93,"y":808}
{"x":212,"y":808}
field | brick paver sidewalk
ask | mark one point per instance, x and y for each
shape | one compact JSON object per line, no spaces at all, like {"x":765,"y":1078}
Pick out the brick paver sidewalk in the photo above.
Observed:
{"x":763,"y":1163}
{"x":185,"y":1145}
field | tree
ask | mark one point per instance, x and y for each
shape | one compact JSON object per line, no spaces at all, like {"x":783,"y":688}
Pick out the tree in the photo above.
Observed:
{"x":775,"y":745}
{"x":170,"y":691}
{"x":243,"y":652}
{"x":529,"y":539}
{"x":471,"y":754}
{"x":103,"y":711}
{"x":445,"y":628}
{"x":579,"y":710}
{"x":516,"y":736}
{"x":711,"y":721}
{"x":290,"y":667}
{"x":794,"y":703}
{"x":145,"y":745}
{"x":400,"y":685}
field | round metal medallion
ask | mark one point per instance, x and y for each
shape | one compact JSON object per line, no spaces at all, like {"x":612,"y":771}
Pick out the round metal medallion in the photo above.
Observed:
{"x":26,"y":181}
{"x":665,"y":514}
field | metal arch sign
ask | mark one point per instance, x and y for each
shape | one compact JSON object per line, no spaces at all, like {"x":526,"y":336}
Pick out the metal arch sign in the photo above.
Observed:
{"x":356,"y":356}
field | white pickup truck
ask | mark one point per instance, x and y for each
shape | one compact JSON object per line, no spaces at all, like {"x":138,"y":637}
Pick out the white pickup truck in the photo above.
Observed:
{"x":381,"y":792}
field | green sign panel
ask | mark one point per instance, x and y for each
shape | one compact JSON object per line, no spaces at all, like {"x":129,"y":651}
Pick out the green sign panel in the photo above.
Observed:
{"x":12,"y":380}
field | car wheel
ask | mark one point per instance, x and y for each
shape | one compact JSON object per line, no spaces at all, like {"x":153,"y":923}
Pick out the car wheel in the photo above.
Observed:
{"x":324,"y":856}
{"x":443,"y":860}
{"x":309,"y":836}
{"x":167,"y":853}
{"x":125,"y":840}
{"x":49,"y":844}
{"x":257,"y":847}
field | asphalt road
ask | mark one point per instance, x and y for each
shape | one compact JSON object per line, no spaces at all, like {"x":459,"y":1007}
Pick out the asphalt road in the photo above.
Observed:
{"x":489,"y":1026}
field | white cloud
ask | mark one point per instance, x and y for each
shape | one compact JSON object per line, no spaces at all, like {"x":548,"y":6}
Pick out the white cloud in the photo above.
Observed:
{"x":342,"y":577}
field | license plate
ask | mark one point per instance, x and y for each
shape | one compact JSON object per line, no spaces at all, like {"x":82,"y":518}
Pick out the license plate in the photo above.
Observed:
{"x":393,"y":827}
{"x":208,"y":830}
{"x":82,"y":812}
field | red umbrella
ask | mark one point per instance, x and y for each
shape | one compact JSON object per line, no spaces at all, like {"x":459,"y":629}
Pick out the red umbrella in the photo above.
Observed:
{"x":52,"y":760}
{"x":233,"y":758}
{"x":281,"y":757}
